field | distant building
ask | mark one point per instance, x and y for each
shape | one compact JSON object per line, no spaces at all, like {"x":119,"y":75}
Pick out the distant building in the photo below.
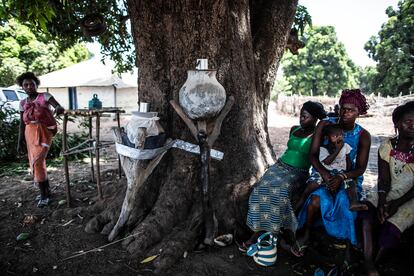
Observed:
{"x":75,"y":85}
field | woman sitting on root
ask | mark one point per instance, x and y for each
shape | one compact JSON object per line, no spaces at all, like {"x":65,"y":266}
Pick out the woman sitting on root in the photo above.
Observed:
{"x":395,"y":209}
{"x":330,"y":202}
{"x":270,"y":208}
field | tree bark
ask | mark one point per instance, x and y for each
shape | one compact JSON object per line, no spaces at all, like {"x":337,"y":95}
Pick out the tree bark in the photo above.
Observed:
{"x":244,"y":41}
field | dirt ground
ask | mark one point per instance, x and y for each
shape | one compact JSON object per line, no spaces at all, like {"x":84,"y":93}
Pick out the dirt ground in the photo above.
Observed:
{"x":57,"y":232}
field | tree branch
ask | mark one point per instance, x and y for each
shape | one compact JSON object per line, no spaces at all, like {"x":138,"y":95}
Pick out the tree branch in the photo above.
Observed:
{"x":187,"y":121}
{"x":271,"y":22}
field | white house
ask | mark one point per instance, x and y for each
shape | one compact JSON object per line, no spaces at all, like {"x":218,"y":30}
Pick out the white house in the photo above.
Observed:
{"x":74,"y":86}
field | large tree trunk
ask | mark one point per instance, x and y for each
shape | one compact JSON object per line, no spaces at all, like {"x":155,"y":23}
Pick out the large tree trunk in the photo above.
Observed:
{"x":244,"y":41}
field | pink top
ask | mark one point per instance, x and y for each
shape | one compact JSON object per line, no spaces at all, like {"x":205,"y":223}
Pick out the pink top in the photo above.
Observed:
{"x":38,"y":111}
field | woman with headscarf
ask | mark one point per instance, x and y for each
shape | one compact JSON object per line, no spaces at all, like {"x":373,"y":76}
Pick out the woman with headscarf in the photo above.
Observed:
{"x":329,"y":202}
{"x":37,"y":128}
{"x":270,"y":207}
{"x":395,"y":195}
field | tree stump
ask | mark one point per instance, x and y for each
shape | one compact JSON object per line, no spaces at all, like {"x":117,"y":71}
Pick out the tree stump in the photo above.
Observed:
{"x":136,"y":172}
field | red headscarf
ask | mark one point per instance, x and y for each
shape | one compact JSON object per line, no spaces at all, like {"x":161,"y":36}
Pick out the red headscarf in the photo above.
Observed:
{"x":354,"y":96}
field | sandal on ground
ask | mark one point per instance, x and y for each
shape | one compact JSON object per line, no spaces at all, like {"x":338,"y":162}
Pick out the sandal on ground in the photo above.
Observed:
{"x":333,"y":272}
{"x":43,"y":202}
{"x":224,"y":240}
{"x":39,"y":197}
{"x":244,"y":246}
{"x":296,"y":251}
{"x":293,"y":249}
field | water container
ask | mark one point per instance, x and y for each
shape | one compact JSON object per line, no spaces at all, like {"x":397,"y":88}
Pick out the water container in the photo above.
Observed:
{"x":95,"y":103}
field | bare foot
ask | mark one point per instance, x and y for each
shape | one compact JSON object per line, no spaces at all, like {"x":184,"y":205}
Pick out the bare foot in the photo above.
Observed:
{"x":301,"y":244}
{"x":293,"y":249}
{"x":358,"y":207}
{"x":370,"y":269}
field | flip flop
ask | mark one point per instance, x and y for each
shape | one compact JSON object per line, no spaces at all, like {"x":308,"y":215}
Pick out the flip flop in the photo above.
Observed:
{"x":333,"y":272}
{"x":300,"y":249}
{"x":297,"y":253}
{"x":244,"y":246}
{"x":224,"y":240}
{"x":43,"y":202}
{"x":293,"y":249}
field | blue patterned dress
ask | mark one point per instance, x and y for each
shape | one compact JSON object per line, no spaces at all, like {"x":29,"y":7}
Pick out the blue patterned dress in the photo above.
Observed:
{"x":336,"y":217}
{"x":270,"y":207}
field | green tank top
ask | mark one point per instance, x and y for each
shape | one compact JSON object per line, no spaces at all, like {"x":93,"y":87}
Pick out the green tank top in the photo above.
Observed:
{"x":297,"y":153}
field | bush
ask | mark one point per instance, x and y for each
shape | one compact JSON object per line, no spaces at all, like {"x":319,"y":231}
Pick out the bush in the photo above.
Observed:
{"x":9,"y":126}
{"x":73,"y":140}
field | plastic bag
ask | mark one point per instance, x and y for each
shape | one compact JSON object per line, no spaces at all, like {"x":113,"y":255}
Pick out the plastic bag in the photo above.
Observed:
{"x":147,"y":120}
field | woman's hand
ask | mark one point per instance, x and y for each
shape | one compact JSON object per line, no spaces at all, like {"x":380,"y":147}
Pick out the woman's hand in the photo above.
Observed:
{"x":326,"y":176}
{"x":53,"y":131}
{"x":391,"y":208}
{"x":381,"y":212}
{"x":339,"y":144}
{"x":334,"y":183}
{"x":59,"y":110}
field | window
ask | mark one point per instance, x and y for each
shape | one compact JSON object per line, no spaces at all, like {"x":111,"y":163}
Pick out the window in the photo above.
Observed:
{"x":10,"y":95}
{"x":21,"y":94}
{"x":73,"y":99}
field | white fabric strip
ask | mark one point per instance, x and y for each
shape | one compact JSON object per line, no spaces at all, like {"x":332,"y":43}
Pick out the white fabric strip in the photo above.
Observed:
{"x":144,"y":154}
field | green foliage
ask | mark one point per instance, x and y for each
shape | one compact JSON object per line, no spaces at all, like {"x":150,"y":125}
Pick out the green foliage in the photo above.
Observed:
{"x":322,"y":67}
{"x":302,"y":19}
{"x":366,"y":78}
{"x":281,"y":86}
{"x":74,"y":139}
{"x":393,"y":49}
{"x":21,"y":50}
{"x":9,"y":125}
{"x":39,"y":12}
{"x":59,"y":21}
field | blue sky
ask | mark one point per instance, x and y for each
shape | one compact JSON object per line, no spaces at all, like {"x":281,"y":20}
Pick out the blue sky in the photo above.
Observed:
{"x":355,"y":21}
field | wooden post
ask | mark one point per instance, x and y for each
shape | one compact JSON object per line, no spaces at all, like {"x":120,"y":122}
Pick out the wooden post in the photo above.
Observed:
{"x":206,"y":190}
{"x":90,"y":151}
{"x":119,"y":158}
{"x":65,"y":158}
{"x":97,"y":145}
{"x":205,"y":141}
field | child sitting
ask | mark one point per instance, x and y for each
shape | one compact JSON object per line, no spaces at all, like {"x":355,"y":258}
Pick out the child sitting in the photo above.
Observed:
{"x":334,"y":156}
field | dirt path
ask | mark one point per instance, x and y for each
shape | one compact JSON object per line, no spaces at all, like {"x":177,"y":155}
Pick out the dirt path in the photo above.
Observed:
{"x":58,"y":232}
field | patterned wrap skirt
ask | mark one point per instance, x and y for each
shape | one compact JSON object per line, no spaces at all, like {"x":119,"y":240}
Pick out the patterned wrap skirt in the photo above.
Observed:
{"x":270,"y":207}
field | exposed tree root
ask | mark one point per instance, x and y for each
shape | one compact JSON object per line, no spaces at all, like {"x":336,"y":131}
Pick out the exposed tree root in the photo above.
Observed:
{"x":170,"y":209}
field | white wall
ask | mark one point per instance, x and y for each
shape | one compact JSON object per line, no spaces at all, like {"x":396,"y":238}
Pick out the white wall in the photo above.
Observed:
{"x":126,"y":98}
{"x":60,"y":94}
